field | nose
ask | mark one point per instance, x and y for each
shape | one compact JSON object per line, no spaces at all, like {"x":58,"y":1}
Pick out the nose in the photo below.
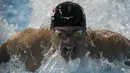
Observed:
{"x":68,"y":40}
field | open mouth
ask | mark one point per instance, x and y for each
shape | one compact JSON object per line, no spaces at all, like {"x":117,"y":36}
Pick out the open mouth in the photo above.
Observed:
{"x":68,"y":50}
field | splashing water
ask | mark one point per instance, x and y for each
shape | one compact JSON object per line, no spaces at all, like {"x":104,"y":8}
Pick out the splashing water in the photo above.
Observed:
{"x":103,"y":14}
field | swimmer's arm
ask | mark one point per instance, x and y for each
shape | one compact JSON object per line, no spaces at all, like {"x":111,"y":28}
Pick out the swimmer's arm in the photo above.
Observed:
{"x":4,"y":55}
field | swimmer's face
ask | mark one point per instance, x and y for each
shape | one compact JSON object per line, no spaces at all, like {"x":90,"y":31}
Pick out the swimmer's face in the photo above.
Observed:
{"x":71,"y":40}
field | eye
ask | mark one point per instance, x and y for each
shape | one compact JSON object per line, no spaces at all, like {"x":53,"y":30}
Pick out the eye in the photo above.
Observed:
{"x":78,"y":33}
{"x":60,"y":33}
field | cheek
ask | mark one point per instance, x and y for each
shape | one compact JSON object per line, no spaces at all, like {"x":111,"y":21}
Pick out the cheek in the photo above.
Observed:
{"x":79,"y":40}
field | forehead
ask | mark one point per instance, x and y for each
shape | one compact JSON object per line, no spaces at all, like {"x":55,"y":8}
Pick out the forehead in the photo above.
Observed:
{"x":68,"y":28}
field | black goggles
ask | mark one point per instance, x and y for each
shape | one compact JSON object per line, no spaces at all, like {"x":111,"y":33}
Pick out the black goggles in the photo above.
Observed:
{"x":73,"y":33}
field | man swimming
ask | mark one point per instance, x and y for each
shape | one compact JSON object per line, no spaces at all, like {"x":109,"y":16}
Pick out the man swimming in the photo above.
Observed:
{"x":69,"y":35}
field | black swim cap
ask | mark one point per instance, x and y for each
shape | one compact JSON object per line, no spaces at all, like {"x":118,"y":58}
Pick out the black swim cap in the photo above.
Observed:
{"x":68,"y":14}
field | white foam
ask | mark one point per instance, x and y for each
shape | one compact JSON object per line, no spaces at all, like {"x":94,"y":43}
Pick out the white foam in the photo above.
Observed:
{"x":105,"y":14}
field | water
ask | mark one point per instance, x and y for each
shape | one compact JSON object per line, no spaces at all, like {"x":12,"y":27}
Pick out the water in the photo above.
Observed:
{"x":101,"y":14}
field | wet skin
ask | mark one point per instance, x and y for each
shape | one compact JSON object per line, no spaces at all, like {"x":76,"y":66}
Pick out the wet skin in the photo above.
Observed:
{"x":33,"y":44}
